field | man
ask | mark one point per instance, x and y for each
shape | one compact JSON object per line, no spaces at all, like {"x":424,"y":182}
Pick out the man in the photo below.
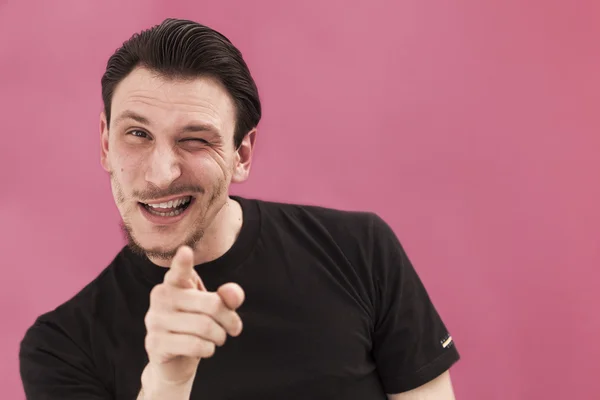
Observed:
{"x":218,"y":296}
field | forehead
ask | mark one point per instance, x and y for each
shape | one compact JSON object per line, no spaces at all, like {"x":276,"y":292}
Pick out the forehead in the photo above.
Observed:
{"x":167,"y":101}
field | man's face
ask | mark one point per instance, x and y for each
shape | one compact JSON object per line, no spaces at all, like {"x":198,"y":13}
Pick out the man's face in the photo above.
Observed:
{"x":171,"y":157}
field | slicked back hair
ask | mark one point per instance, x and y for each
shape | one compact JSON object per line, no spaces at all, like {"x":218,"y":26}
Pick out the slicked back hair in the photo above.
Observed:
{"x":183,"y":49}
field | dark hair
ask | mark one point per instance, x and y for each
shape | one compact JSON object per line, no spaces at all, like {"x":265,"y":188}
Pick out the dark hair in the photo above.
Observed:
{"x":186,"y":49}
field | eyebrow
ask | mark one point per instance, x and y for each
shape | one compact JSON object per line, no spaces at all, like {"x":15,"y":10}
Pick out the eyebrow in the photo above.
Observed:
{"x":192,"y":127}
{"x":128,"y":114}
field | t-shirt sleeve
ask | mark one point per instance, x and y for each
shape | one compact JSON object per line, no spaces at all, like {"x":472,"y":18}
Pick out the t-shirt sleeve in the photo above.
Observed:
{"x":53,"y":367}
{"x":411,"y":345}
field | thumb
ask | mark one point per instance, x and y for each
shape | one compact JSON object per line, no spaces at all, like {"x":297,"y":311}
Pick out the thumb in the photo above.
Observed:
{"x":181,"y":273}
{"x":232,"y":295}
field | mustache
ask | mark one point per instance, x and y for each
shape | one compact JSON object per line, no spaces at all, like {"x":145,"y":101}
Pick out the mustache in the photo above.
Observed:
{"x":155,"y":193}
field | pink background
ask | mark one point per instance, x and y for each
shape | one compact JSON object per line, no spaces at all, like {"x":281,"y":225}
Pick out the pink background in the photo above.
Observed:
{"x":472,"y":127}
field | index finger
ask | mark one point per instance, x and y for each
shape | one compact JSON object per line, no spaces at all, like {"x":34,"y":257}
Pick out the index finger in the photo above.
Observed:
{"x":181,"y":273}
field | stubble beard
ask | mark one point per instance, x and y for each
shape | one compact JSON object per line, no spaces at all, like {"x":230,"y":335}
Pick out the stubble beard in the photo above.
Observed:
{"x":192,"y":239}
{"x":157,"y":253}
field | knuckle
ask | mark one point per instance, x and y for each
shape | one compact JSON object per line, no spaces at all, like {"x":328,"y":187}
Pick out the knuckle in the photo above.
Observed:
{"x":157,"y":292}
{"x":211,"y":330}
{"x":205,"y":327}
{"x":233,"y":321}
{"x":151,"y":342}
{"x":152,"y":321}
{"x":207,"y":349}
{"x":222,"y":337}
{"x":213,"y":304}
{"x":162,"y":295}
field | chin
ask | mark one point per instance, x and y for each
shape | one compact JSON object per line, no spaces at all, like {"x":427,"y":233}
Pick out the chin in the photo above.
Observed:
{"x":159,"y":242}
{"x":159,"y":247}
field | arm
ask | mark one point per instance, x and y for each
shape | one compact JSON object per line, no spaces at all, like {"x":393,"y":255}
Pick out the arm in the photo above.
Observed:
{"x":412,"y":347}
{"x":151,"y":389}
{"x":53,"y":367}
{"x":438,"y":389}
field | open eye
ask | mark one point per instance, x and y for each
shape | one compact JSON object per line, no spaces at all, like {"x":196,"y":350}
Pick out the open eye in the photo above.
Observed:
{"x":138,"y":133}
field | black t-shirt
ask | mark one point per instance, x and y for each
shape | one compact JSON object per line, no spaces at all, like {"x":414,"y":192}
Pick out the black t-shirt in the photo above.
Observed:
{"x":333,"y":310}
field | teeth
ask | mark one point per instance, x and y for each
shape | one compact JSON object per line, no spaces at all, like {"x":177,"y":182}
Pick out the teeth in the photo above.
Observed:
{"x":169,"y":214}
{"x":172,"y":203}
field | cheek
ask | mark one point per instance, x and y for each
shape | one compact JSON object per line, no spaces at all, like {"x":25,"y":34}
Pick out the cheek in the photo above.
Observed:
{"x":125,"y":156}
{"x":128,"y":166}
{"x":227,"y":164}
{"x":208,"y":166}
{"x":123,"y":177}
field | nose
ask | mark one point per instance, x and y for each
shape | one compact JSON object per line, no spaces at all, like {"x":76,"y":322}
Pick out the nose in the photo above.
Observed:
{"x":163,"y":167}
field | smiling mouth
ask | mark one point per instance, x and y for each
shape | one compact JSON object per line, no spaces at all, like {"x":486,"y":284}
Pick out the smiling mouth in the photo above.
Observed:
{"x":169,"y":209}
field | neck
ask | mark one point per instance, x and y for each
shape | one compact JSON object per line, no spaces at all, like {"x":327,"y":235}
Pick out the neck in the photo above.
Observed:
{"x":221,"y":234}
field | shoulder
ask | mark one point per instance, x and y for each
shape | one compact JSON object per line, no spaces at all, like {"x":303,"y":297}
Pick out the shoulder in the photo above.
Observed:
{"x":56,"y":353}
{"x":72,"y":317}
{"x":340,"y":221}
{"x":359,"y":234}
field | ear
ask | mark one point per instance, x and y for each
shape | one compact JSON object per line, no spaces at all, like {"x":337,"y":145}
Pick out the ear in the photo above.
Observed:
{"x":243,"y":156}
{"x":104,"y":142}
